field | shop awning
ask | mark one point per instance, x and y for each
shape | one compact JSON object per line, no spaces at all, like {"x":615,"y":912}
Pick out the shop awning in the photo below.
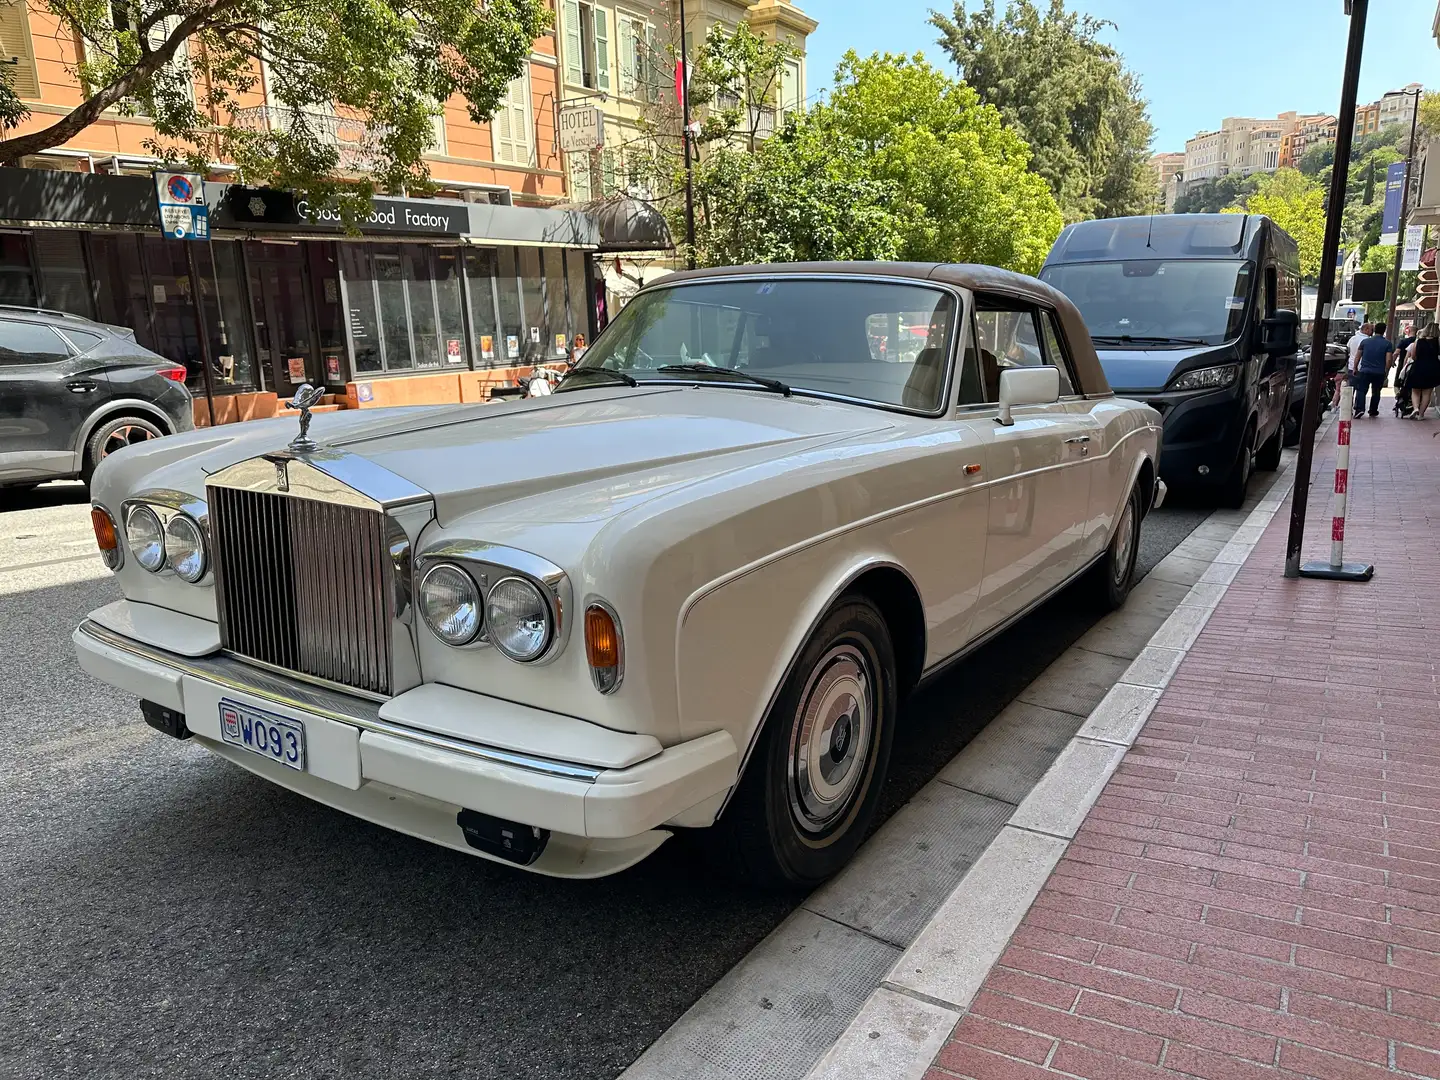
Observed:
{"x":628,"y":224}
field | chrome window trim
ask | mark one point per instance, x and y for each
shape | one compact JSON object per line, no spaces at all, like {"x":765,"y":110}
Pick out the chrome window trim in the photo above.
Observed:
{"x":960,"y":296}
{"x":479,"y":559}
{"x":344,"y":706}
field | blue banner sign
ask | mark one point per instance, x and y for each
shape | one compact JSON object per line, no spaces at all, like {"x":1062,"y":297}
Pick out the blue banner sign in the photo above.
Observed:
{"x":1394,"y":187}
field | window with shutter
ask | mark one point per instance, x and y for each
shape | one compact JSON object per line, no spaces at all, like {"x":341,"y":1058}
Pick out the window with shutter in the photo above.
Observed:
{"x":513,"y":133}
{"x":628,"y":57}
{"x":602,"y":51}
{"x":17,"y":51}
{"x":570,"y":16}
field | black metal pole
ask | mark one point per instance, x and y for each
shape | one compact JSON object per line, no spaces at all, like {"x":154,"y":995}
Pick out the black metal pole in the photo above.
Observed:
{"x":1339,"y":176}
{"x":685,"y":141}
{"x":1404,"y":213}
{"x":199,"y":301}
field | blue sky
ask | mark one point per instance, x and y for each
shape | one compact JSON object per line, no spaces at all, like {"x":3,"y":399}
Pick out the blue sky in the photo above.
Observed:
{"x":1198,"y":62}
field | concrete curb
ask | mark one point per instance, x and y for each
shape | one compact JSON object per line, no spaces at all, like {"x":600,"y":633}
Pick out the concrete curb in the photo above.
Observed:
{"x":902,"y":1025}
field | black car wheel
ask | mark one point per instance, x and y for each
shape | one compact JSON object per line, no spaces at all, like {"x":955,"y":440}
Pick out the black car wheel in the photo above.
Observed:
{"x":1237,"y":483}
{"x":810,"y":790}
{"x":1110,"y":579}
{"x":115,"y":435}
{"x":1267,"y":459}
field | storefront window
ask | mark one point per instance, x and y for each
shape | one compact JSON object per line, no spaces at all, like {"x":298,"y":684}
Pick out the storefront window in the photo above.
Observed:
{"x":17,"y":283}
{"x":579,"y":295}
{"x":324,"y":266}
{"x":394,"y":319}
{"x":232,"y":351}
{"x":424,"y":324}
{"x":170,"y":295}
{"x":532,"y":299}
{"x":512,"y":330}
{"x":360,"y":294}
{"x":556,"y":335}
{"x":122,"y":297}
{"x":447,"y":303}
{"x":281,"y":318}
{"x":480,"y":277}
{"x":64,"y":283}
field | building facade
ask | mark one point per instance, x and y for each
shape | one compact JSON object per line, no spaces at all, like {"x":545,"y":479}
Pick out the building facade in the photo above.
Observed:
{"x":1313,"y":130}
{"x":1169,"y":171}
{"x":1241,"y":145}
{"x":481,"y":280}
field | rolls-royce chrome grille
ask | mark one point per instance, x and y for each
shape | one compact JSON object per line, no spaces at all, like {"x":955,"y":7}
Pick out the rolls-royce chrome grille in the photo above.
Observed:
{"x":304,"y":585}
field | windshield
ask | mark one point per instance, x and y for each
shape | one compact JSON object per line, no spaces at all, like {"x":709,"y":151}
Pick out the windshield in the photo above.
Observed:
{"x":1197,"y":300}
{"x":877,"y":341}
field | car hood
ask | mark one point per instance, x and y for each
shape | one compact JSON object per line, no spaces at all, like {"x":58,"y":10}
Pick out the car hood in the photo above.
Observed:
{"x":1148,"y":370}
{"x":599,"y":447}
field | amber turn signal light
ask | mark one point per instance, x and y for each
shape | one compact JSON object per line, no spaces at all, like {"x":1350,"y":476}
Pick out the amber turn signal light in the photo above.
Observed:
{"x":603,"y":648}
{"x":106,"y":539}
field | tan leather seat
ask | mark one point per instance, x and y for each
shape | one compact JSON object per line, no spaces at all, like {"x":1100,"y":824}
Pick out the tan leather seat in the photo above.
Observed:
{"x":922,"y":388}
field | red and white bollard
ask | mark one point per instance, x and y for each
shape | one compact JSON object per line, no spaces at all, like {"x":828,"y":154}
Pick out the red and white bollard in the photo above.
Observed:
{"x":1337,"y":568}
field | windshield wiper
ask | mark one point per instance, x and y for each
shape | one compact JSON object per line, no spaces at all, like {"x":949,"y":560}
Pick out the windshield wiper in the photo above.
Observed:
{"x":735,"y":373}
{"x":1162,"y":339}
{"x":616,"y":376}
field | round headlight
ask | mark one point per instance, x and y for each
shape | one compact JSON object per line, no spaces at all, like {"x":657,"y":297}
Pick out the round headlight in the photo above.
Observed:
{"x":146,"y":538}
{"x":185,"y":548}
{"x":450,"y":604}
{"x":518,"y":618}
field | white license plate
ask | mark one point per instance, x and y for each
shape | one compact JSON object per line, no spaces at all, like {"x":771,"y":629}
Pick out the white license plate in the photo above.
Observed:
{"x":276,"y":737}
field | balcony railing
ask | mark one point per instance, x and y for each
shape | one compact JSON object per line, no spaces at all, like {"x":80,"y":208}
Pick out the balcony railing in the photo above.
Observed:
{"x":355,"y":140}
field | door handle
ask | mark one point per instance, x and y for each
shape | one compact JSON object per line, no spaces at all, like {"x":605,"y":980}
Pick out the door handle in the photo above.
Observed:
{"x":1078,"y":439}
{"x":1082,"y":441}
{"x":81,"y":386}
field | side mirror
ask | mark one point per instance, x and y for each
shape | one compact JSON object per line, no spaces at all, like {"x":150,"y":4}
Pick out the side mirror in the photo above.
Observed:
{"x":1027,"y":386}
{"x":1280,"y":333}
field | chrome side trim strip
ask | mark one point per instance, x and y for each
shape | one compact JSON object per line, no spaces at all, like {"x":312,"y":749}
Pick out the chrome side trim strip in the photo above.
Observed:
{"x":344,"y":708}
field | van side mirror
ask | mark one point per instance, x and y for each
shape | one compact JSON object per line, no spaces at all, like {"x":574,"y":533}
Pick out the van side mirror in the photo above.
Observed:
{"x":1027,"y":386}
{"x":1280,"y":333}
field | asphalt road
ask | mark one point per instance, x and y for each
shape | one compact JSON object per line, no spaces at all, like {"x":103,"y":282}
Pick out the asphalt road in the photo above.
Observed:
{"x":165,"y":914}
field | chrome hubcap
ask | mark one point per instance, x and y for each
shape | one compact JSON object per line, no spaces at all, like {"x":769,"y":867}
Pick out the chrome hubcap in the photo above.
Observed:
{"x":1125,"y":542}
{"x":830,"y":738}
{"x":123,"y":437}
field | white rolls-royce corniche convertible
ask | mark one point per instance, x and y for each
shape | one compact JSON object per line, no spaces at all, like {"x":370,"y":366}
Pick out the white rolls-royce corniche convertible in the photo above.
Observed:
{"x":687,"y":591}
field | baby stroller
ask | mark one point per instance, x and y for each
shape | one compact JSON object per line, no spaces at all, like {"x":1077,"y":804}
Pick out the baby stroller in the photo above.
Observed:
{"x":1403,"y":408}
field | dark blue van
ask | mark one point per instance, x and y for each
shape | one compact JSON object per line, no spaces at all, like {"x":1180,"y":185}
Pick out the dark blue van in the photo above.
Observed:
{"x":1196,"y":315}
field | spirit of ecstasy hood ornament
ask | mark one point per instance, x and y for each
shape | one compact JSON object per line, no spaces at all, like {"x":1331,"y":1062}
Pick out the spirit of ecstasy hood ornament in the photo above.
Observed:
{"x":305,"y":399}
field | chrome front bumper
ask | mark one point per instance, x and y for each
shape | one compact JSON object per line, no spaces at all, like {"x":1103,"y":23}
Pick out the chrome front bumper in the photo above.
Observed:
{"x":366,"y":759}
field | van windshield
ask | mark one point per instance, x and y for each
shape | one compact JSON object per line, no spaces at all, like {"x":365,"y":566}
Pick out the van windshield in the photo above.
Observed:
{"x":1146,"y":302}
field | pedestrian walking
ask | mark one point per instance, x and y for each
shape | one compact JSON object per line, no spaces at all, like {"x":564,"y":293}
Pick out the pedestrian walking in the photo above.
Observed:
{"x":1424,"y":359}
{"x":1352,"y":354}
{"x":1372,"y":366}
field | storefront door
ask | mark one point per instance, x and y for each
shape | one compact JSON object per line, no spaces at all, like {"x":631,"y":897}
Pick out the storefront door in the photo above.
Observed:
{"x":283,"y":334}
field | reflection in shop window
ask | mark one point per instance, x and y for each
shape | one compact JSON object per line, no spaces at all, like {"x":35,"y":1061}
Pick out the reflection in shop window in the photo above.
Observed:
{"x":17,"y":284}
{"x":480,"y":278}
{"x":579,"y":296}
{"x":174,"y":325}
{"x":120,"y":284}
{"x":532,"y":304}
{"x":556,"y":335}
{"x":512,"y":333}
{"x":231,"y":348}
{"x":363,"y":322}
{"x":64,"y":283}
{"x":394,"y":319}
{"x":447,"y":303}
{"x":325,"y":295}
{"x":424,"y":326}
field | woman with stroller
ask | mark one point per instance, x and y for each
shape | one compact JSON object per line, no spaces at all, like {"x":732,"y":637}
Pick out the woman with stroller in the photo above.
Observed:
{"x":1424,"y":375}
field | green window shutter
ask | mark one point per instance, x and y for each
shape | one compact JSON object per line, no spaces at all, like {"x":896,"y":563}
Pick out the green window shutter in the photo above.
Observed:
{"x":570,"y":15}
{"x":602,"y":51}
{"x":628,"y":70}
{"x":17,"y":51}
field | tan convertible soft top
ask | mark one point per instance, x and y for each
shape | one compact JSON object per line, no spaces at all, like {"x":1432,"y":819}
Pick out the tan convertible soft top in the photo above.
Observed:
{"x":982,"y":279}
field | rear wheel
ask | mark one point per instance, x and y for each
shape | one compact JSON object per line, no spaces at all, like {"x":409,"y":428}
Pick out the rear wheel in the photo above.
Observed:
{"x":1111,"y":578}
{"x":812,"y":785}
{"x":115,"y":435}
{"x":1268,"y":457}
{"x":1291,"y":426}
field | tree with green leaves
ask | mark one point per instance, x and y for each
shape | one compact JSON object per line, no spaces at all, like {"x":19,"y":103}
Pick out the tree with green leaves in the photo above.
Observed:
{"x":1067,"y":93}
{"x":1296,"y":204}
{"x":354,"y":86}
{"x":1214,"y":195}
{"x":1383,"y":258}
{"x":902,"y":162}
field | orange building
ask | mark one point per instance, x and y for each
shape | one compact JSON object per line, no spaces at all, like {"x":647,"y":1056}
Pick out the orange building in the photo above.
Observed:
{"x":436,"y":300}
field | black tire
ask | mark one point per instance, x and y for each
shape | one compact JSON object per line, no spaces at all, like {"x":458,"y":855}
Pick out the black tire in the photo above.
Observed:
{"x":112,"y":435}
{"x":1237,"y":483}
{"x":1291,"y":426}
{"x":1110,"y":580}
{"x":781,"y":831}
{"x":1268,"y":456}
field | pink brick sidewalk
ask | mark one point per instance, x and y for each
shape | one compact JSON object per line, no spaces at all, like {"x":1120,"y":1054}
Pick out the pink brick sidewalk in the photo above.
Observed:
{"x":1256,"y":894}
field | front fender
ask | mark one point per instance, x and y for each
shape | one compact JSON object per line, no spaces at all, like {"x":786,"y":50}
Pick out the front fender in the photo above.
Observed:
{"x":738,"y":638}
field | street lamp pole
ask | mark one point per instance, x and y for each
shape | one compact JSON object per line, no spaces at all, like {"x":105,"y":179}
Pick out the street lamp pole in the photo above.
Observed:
{"x":685,"y":139}
{"x":1339,"y":176}
{"x":1404,"y":214}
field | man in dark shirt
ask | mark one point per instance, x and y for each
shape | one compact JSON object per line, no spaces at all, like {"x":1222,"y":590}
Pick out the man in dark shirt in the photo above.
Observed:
{"x":1371,"y":370}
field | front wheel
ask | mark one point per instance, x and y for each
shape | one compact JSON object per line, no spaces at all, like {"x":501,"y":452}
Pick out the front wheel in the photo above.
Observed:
{"x":1237,"y":483}
{"x":1268,"y":457}
{"x":1112,"y":576}
{"x":810,"y":791}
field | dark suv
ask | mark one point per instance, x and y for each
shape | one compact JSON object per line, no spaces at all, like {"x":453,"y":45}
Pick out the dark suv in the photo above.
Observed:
{"x":73,"y":391}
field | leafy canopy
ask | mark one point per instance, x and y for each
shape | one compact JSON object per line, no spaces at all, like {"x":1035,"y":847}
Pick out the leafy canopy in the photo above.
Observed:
{"x":1067,"y":93}
{"x":1296,"y":204}
{"x":354,"y":85}
{"x":902,"y":162}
